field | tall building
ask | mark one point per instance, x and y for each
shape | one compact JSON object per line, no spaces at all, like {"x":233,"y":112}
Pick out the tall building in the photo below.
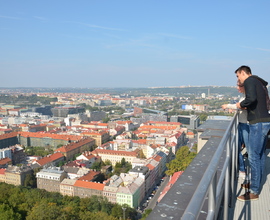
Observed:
{"x":64,"y":111}
{"x":189,"y":121}
{"x":44,"y":110}
{"x":96,"y":115}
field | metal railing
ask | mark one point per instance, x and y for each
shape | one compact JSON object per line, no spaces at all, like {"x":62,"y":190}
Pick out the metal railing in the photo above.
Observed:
{"x":214,"y":192}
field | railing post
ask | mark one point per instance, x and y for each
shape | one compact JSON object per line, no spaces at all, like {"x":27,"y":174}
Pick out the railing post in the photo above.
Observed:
{"x":212,"y":198}
{"x":234,"y":158}
{"x":227,"y":183}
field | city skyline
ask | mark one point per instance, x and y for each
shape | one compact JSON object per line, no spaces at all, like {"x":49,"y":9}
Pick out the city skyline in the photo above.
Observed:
{"x":131,"y":44}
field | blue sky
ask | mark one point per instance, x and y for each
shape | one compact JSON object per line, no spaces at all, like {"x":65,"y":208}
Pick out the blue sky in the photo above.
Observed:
{"x":121,"y":43}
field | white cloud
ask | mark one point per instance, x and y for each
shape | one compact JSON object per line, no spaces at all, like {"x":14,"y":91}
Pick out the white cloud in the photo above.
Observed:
{"x":98,"y":27}
{"x":263,"y":49}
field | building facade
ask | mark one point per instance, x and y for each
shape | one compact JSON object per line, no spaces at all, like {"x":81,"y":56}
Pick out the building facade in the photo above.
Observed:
{"x":50,"y":179}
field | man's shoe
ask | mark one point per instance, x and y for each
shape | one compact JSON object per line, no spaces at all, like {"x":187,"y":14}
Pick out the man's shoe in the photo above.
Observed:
{"x":248,"y":196}
{"x":245,"y":185}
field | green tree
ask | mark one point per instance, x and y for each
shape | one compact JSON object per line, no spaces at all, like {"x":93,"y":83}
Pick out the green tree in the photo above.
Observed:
{"x":107,"y":162}
{"x":30,"y":180}
{"x":36,"y":204}
{"x":117,"y":211}
{"x":91,"y":204}
{"x":123,"y":162}
{"x":146,"y":213}
{"x":87,"y":215}
{"x":182,"y":159}
{"x":106,"y":120}
{"x":96,"y":166}
{"x":45,"y":211}
{"x":203,"y":117}
{"x":7,"y":213}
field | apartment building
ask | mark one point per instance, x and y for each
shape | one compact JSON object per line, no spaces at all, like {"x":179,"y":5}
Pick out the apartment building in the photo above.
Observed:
{"x":50,"y":179}
{"x":85,"y":189}
{"x":115,"y":156}
{"x":16,"y":175}
{"x":45,"y":139}
{"x":71,"y":149}
{"x":130,"y":191}
{"x":111,"y":188}
{"x":100,"y":137}
{"x":67,"y":187}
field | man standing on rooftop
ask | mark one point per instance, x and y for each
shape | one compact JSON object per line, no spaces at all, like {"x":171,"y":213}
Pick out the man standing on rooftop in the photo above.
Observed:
{"x":259,"y":124}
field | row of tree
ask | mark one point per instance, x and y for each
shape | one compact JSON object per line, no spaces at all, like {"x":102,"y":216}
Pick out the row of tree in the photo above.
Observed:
{"x":26,"y":100}
{"x":183,"y":158}
{"x":22,"y":203}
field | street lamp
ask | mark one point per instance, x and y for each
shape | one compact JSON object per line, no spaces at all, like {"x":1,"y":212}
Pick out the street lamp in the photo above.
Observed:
{"x":124,"y":209}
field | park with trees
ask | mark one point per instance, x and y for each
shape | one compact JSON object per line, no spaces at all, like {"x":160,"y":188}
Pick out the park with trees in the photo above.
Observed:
{"x":24,"y":203}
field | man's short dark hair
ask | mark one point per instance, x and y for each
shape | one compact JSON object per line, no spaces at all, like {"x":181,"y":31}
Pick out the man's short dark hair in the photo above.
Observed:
{"x":246,"y":69}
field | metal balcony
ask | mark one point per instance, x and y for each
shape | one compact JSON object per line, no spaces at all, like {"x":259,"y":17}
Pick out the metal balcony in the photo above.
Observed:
{"x":209,"y":186}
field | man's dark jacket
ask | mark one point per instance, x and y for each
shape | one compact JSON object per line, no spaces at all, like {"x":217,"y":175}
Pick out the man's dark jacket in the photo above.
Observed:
{"x":255,"y":100}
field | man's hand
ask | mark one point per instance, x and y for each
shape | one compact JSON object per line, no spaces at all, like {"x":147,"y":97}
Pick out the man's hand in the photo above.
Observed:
{"x":224,"y":106}
{"x":238,"y":105}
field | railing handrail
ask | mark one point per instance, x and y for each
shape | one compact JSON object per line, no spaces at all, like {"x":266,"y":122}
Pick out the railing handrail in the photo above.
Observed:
{"x":194,"y":207}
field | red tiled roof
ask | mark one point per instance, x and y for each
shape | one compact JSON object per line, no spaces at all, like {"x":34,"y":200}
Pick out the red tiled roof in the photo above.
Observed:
{"x":74,"y":145}
{"x":5,"y":161}
{"x":88,"y":156}
{"x":178,"y":134}
{"x":147,"y":127}
{"x":8,"y":135}
{"x":49,"y":159}
{"x":56,"y":156}
{"x":154,"y":146}
{"x":99,"y":133}
{"x":151,"y":167}
{"x":53,"y":136}
{"x":89,"y":185}
{"x":2,"y":171}
{"x":123,"y":122}
{"x":89,"y":176}
{"x":5,"y":129}
{"x":165,"y":123}
{"x":157,"y":158}
{"x":171,"y":144}
{"x":119,"y":128}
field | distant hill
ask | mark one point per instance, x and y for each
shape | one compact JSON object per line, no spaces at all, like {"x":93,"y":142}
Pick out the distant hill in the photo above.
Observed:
{"x":170,"y":91}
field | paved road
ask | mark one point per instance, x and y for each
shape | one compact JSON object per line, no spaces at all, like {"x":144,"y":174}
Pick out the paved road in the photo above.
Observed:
{"x":153,"y":201}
